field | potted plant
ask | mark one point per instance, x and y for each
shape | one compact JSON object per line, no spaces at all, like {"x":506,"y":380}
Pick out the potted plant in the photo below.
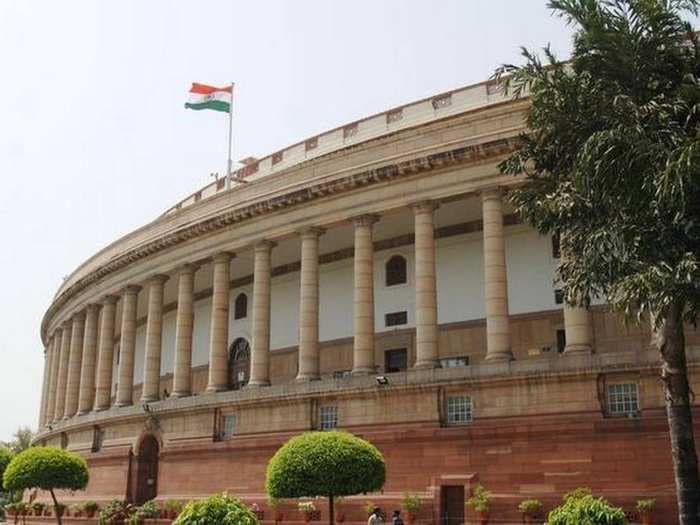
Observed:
{"x":411,"y":505}
{"x":172,"y":508}
{"x":645,"y":508}
{"x":90,"y":508}
{"x":480,"y":501}
{"x":307,"y":508}
{"x":339,"y":512}
{"x":369,"y":507}
{"x":530,"y":508}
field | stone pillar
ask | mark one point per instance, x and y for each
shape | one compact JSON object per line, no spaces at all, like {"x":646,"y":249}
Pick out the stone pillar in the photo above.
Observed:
{"x":579,"y":333}
{"x":363,"y":297}
{"x":53,"y":379}
{"x":495,"y":279}
{"x":154,"y":339}
{"x":105,"y":365}
{"x":87,"y":374}
{"x":127,"y":346}
{"x":75,"y":364}
{"x":61,"y":382}
{"x":262,"y":275}
{"x":426,"y":286}
{"x":218,"y":345}
{"x":184,"y":325}
{"x":45,"y":384}
{"x":308,"y":306}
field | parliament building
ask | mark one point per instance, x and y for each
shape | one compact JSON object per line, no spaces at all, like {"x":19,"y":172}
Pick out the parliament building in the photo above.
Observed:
{"x":374,"y":279}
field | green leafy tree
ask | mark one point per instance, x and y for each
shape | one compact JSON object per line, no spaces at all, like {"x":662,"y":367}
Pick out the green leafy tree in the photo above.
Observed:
{"x":582,"y":508}
{"x":5,"y":457}
{"x":612,"y":164}
{"x":46,"y":468}
{"x":327,"y":464}
{"x":219,"y":509}
{"x":22,"y":440}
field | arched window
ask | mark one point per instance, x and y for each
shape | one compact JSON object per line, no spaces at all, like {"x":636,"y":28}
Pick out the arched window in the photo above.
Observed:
{"x":239,"y":363}
{"x":396,"y":271}
{"x":240,"y":308}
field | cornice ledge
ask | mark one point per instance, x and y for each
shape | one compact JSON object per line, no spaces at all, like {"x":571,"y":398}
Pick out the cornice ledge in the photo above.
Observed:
{"x":458,"y":156}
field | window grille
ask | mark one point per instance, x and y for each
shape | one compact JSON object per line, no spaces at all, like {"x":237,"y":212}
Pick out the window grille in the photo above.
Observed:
{"x":454,"y":362}
{"x":396,"y":319}
{"x":328,"y":417}
{"x":623,"y":399}
{"x":459,"y":410}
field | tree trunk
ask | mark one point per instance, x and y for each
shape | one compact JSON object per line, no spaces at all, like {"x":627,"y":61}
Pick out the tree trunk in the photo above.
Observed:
{"x":670,"y":341}
{"x":331,"y":511}
{"x":59,"y":518}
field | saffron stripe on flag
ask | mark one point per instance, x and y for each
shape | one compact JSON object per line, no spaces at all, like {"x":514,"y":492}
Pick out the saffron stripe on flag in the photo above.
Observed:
{"x":203,"y":89}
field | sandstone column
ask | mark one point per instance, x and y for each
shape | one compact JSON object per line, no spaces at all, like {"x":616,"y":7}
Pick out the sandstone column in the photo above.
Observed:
{"x":363,"y":297}
{"x":127,"y":346}
{"x":74,"y":365}
{"x":45,"y":384}
{"x":426,"y":286}
{"x":53,"y":379}
{"x":154,"y":339}
{"x":103,"y":390}
{"x":87,"y":374}
{"x":184,"y":325}
{"x":579,"y":334}
{"x":495,"y":279}
{"x":63,"y":370}
{"x":308,"y":306}
{"x":262,"y":274}
{"x":218,"y":345}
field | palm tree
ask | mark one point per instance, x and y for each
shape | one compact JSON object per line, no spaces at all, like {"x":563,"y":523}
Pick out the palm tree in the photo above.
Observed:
{"x":612,"y":165}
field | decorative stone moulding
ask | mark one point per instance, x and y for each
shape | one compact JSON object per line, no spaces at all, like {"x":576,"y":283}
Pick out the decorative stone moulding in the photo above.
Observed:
{"x":350,"y":130}
{"x":311,"y":143}
{"x":442,"y":101}
{"x":394,"y":115}
{"x":277,"y":157}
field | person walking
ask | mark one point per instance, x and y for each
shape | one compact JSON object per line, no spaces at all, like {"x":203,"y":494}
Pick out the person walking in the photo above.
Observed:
{"x":396,"y":518}
{"x":376,"y":517}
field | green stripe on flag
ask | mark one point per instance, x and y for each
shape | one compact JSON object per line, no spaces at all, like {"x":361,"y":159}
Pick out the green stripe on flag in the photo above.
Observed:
{"x":216,"y":105}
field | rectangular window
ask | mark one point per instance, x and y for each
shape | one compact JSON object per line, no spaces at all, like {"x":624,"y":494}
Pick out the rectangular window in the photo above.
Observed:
{"x":454,"y":362}
{"x":459,"y":410}
{"x":395,"y":360}
{"x":561,"y":341}
{"x":339,"y":374}
{"x":623,"y":399}
{"x":558,"y":296}
{"x":396,"y":319}
{"x":228,"y":426}
{"x":328,"y":417}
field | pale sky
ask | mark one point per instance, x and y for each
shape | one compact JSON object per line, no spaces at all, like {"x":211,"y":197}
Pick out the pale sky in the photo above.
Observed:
{"x":95,"y":142}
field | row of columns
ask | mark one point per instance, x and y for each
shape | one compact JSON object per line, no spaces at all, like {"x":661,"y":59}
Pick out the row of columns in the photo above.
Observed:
{"x":79,"y":363}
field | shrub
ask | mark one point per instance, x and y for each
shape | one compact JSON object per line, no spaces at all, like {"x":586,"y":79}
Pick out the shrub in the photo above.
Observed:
{"x":307,"y":507}
{"x":410,"y":502}
{"x":115,"y":511}
{"x":530,"y":505}
{"x":38,"y":508}
{"x":219,"y":509}
{"x":328,"y":464}
{"x":480,"y":499}
{"x":581,"y":507}
{"x":5,"y":457}
{"x":90,"y":507}
{"x":46,"y":468}
{"x":646,"y":505}
{"x":138,"y":514}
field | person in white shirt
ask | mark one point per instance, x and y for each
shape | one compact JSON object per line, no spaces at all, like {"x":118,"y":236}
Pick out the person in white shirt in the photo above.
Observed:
{"x":376,"y":517}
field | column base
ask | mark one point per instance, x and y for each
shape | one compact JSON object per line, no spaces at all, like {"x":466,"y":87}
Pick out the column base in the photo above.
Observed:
{"x":363,"y":372}
{"x":149,"y":399}
{"x":180,"y":394}
{"x":119,"y":404}
{"x":258,"y":383}
{"x":427,"y":363}
{"x":500,"y":357}
{"x":306,"y":378}
{"x":100,"y":409}
{"x":213,"y":389}
{"x":83,"y":413}
{"x":66,"y":418}
{"x":578,"y":350}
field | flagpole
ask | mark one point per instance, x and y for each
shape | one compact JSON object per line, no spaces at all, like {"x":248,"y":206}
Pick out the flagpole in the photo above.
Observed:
{"x":229,"y":164}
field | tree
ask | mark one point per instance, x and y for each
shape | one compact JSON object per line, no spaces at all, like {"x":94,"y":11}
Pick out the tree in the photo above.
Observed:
{"x":219,"y":509}
{"x":328,"y":464}
{"x":5,"y":457}
{"x":612,"y":164}
{"x":22,"y":440}
{"x":46,"y":468}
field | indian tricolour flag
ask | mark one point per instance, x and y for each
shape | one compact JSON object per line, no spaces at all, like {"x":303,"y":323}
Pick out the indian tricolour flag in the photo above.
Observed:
{"x":210,"y":97}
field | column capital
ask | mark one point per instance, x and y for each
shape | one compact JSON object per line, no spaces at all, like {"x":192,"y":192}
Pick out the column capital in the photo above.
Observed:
{"x":158,"y":278}
{"x":264,"y":245}
{"x":426,"y":206}
{"x":311,"y":231}
{"x":79,"y":316}
{"x":109,"y":299}
{"x":91,"y":307}
{"x":67,"y":324}
{"x":188,"y":268}
{"x":222,"y":257}
{"x":368,"y":219}
{"x":131,"y":289}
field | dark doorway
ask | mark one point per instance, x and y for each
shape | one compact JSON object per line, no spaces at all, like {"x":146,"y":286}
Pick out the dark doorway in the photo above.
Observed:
{"x":147,"y":473}
{"x":452,"y":505}
{"x":239,"y":364}
{"x":395,"y":360}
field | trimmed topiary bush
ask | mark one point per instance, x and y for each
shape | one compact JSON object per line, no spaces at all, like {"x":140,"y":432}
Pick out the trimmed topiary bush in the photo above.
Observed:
{"x":580,"y":507}
{"x":327,"y":464}
{"x":219,"y":509}
{"x":46,"y":468}
{"x":5,"y":457}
